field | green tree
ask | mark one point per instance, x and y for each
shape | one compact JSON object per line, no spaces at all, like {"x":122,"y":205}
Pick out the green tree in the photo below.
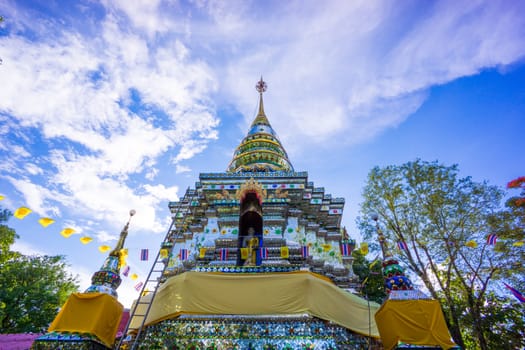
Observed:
{"x":33,"y":287}
{"x":444,"y":220}
{"x":370,"y":277}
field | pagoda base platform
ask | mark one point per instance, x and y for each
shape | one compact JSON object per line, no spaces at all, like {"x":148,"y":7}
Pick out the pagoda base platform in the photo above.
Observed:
{"x":251,"y":333}
{"x":66,"y":341}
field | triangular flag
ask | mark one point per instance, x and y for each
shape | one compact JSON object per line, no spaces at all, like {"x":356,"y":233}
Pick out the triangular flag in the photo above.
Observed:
{"x":264,"y":253}
{"x":518,"y":244}
{"x":1,"y":197}
{"x":85,"y":239}
{"x":145,"y":292}
{"x":104,"y":248}
{"x":516,"y":293}
{"x":471,"y":244}
{"x":67,"y":232}
{"x":125,"y":272}
{"x":45,"y":221}
{"x":346,"y":249}
{"x":402,"y":245}
{"x":305,"y":251}
{"x":163,"y":253}
{"x":144,"y":254}
{"x":492,"y":238}
{"x":22,"y":212}
{"x":364,"y":248}
{"x":183,"y":254}
{"x":285,"y":253}
{"x":124,"y":252}
{"x":134,"y":276}
{"x":138,"y":286}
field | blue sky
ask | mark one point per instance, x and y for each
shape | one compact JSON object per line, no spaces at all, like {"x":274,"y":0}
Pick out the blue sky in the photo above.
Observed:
{"x":107,"y":106}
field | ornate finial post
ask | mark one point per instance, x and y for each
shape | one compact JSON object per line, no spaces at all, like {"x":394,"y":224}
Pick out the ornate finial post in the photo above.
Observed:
{"x":123,"y":235}
{"x":107,"y":279}
{"x":381,"y":238}
{"x":261,"y":87}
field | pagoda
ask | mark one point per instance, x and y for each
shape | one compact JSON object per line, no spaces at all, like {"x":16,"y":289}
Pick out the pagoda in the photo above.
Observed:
{"x":90,"y":320}
{"x":255,"y":258}
{"x":408,"y":319}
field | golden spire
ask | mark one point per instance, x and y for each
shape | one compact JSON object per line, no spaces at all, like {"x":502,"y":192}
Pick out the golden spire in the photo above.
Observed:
{"x":123,"y":235}
{"x":261,"y":116}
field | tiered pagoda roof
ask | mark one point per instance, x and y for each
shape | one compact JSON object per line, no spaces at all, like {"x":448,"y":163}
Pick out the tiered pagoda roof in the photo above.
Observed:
{"x":261,"y":149}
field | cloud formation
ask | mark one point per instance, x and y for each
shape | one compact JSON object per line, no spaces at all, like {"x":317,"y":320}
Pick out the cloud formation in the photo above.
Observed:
{"x":92,"y":107}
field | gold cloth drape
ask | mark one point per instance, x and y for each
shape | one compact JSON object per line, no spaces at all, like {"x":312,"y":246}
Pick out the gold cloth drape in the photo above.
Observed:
{"x":93,"y":313}
{"x":261,"y":294}
{"x":417,"y":322}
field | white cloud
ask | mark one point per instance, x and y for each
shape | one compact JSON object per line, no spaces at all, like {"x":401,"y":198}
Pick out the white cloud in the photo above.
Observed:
{"x":36,"y":197}
{"x":111,"y":105}
{"x":78,"y":90}
{"x":180,"y":169}
{"x":26,"y":249}
{"x":103,"y":236}
{"x":346,"y":72}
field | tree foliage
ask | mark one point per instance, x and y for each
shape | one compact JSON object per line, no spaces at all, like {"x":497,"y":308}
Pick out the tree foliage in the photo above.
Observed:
{"x":32,"y":287}
{"x":369,"y":273}
{"x":445,"y":220}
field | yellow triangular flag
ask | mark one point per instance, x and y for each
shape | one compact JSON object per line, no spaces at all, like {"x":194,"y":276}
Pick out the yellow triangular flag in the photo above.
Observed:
{"x":1,"y":197}
{"x":124,"y":252}
{"x":22,"y":212}
{"x":85,"y":239}
{"x":67,"y":232}
{"x":285,"y":253}
{"x":145,"y":292}
{"x":163,"y":253}
{"x":202,"y":252}
{"x":45,"y":221}
{"x":134,"y":276}
{"x":518,"y":244}
{"x":471,"y":244}
{"x":104,"y":248}
{"x":364,"y":248}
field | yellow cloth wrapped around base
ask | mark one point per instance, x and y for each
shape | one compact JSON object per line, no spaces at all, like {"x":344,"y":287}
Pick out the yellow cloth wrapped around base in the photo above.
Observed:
{"x":417,"y":322}
{"x":94,"y":313}
{"x":260,"y":294}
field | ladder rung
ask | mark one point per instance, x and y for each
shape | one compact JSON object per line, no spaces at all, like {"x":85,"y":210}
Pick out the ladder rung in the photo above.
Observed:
{"x":174,"y":229}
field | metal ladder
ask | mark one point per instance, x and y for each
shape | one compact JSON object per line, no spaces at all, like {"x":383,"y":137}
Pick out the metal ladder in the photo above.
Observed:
{"x":155,"y":274}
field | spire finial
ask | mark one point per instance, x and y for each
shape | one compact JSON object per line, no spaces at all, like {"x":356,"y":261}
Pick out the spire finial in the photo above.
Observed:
{"x":261,"y":87}
{"x":123,"y":235}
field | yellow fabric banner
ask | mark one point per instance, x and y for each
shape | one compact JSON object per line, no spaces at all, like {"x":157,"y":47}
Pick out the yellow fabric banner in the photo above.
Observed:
{"x":285,"y":253}
{"x":260,"y":294}
{"x":417,"y":322}
{"x":244,"y":253}
{"x":93,"y":313}
{"x":202,"y":252}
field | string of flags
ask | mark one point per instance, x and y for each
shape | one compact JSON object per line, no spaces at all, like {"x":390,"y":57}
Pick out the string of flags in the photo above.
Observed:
{"x":23,"y":212}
